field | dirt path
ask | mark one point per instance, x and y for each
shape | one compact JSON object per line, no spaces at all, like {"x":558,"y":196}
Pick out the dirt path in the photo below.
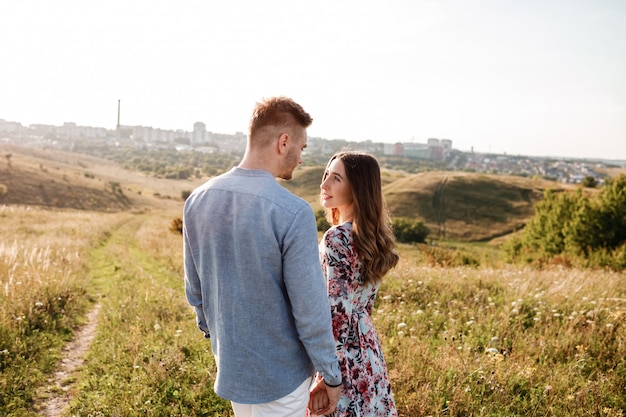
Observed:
{"x":58,"y":392}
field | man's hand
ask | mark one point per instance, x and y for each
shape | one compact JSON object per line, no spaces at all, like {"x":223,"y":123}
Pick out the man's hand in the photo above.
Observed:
{"x":323,"y":399}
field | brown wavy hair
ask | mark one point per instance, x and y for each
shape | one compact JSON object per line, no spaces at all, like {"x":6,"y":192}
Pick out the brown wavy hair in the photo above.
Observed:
{"x":374,"y":242}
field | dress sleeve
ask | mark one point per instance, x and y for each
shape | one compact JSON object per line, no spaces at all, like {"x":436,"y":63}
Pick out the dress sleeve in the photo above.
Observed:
{"x":338,"y":261}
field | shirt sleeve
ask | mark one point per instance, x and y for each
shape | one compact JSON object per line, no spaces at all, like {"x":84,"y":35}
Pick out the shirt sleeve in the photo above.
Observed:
{"x":193,"y":289}
{"x":305,"y":286}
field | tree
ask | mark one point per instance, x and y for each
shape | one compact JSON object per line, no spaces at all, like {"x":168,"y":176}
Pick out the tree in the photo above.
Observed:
{"x":575,"y":224}
{"x":590,"y":182}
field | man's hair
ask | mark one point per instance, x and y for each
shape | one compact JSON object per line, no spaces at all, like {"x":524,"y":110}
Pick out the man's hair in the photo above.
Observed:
{"x":279,"y":112}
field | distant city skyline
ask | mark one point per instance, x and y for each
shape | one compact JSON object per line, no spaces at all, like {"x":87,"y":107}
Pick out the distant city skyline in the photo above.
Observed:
{"x":522,"y":78}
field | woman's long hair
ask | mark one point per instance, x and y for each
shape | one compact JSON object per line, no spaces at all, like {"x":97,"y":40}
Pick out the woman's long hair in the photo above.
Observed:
{"x":371,"y":225}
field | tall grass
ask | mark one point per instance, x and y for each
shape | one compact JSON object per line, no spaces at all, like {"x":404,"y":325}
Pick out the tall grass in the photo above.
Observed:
{"x":459,"y":340}
{"x":148,"y":358}
{"x":504,"y":341}
{"x":43,"y":293}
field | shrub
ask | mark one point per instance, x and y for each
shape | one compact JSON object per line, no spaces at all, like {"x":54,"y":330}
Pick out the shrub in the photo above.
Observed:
{"x":322,"y":223}
{"x":176,"y":226}
{"x":590,"y":230}
{"x":409,"y":230}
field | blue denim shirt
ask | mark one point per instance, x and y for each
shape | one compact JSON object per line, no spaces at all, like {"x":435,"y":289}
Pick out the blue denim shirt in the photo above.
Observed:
{"x":252,"y":272}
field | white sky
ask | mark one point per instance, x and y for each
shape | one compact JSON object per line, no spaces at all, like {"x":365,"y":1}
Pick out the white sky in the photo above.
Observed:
{"x":526,"y":77}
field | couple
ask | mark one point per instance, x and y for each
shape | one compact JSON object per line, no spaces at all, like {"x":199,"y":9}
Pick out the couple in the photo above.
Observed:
{"x":287,"y":335}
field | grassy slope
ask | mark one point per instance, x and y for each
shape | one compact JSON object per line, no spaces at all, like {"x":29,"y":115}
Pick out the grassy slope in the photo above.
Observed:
{"x":454,"y":205}
{"x":57,"y":179}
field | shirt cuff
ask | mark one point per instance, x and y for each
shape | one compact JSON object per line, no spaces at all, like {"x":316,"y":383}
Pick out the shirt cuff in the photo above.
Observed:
{"x":333,"y":377}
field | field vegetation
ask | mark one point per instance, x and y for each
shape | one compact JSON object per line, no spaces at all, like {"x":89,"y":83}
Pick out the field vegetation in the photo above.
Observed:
{"x":464,"y":332}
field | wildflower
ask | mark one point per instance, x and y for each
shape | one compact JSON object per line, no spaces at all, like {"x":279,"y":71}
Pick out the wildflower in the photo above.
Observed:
{"x":492,"y":351}
{"x":38,"y":304}
{"x":402,"y":325}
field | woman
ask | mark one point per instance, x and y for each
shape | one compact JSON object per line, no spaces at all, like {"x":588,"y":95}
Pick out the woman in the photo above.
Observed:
{"x":356,"y":252}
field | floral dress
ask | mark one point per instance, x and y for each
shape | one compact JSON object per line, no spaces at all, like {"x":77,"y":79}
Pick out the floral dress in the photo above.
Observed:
{"x":365,"y":389}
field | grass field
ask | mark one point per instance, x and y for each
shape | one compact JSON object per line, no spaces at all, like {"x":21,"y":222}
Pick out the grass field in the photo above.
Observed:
{"x":485,"y":340}
{"x":463,"y":341}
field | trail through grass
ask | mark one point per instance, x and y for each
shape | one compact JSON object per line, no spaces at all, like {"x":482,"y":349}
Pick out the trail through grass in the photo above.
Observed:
{"x":147,"y":357}
{"x":459,"y":341}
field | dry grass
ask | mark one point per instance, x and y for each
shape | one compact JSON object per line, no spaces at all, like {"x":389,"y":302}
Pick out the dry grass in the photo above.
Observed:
{"x":42,"y":248}
{"x":504,"y":341}
{"x":43,"y":292}
{"x":460,"y":341}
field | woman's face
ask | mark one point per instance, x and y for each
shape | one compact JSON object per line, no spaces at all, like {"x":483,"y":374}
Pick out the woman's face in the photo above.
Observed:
{"x":336,"y":191}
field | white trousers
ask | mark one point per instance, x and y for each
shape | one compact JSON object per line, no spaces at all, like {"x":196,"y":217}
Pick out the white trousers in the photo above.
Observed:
{"x":291,"y":405}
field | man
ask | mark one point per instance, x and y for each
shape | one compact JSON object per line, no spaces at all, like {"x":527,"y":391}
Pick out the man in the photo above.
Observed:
{"x":252,"y":273}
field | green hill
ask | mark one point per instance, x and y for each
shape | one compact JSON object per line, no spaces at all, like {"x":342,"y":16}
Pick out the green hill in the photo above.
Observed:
{"x":454,"y":205}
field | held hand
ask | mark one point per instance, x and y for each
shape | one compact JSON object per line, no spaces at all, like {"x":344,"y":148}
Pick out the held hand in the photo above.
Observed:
{"x":323,"y":399}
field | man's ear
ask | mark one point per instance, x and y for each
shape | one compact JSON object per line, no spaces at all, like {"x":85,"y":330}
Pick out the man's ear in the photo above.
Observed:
{"x":283,"y":143}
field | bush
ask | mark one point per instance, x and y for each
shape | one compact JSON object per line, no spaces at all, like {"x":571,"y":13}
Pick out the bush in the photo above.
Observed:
{"x":590,"y":230}
{"x":409,"y":230}
{"x":322,"y":223}
{"x":176,"y":226}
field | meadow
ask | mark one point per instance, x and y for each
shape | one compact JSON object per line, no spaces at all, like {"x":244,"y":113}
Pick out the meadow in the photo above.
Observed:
{"x":488,"y":340}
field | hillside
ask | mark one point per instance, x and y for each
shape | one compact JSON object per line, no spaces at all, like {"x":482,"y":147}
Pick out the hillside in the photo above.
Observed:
{"x":65,"y":180}
{"x":454,"y":205}
{"x":466,"y":206}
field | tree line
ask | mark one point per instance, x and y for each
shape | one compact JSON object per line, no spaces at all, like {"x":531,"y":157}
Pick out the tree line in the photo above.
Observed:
{"x":580,"y":228}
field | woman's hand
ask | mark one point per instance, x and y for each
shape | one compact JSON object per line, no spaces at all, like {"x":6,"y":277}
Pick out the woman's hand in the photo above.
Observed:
{"x":323,"y":399}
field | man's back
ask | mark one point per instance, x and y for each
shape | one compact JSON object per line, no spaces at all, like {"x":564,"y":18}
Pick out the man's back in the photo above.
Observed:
{"x":252,"y":272}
